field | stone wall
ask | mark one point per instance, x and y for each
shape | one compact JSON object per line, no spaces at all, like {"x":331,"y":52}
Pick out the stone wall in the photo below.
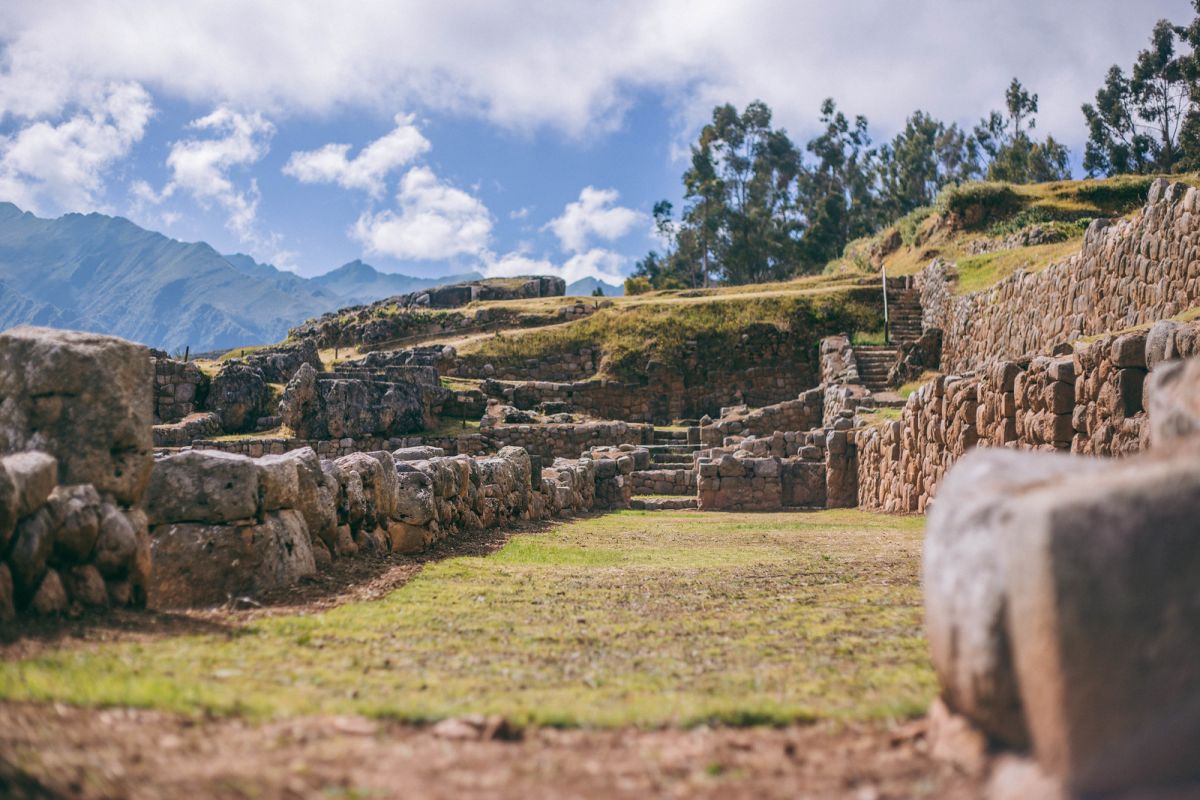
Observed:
{"x":681,"y":481}
{"x":1128,"y":273}
{"x":564,"y":440}
{"x":467,"y":444}
{"x":179,"y":389}
{"x":225,"y":525}
{"x":1090,"y":401}
{"x":75,"y":430}
{"x":793,"y":469}
{"x":802,"y":414}
{"x":559,"y":367}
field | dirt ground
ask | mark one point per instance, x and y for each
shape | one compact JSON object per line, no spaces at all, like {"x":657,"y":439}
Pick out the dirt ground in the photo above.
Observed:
{"x":53,"y":750}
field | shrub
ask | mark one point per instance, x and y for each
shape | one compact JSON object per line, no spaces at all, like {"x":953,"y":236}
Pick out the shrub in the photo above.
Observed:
{"x":972,"y":205}
{"x":637,"y":285}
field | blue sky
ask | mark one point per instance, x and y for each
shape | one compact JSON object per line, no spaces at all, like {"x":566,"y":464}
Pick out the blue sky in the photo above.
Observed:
{"x":509,"y":137}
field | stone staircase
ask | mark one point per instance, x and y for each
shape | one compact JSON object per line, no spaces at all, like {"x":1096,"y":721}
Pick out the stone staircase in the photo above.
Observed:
{"x":904,"y":315}
{"x":671,"y":450}
{"x":874,"y":363}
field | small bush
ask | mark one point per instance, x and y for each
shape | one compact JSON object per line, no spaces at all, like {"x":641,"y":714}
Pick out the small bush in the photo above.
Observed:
{"x":638,"y":285}
{"x":972,"y":205}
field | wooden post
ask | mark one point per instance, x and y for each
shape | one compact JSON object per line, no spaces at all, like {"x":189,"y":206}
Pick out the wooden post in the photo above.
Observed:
{"x":883,"y":272}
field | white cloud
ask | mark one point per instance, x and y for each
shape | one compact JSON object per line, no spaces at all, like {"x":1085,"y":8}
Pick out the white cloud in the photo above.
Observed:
{"x":47,"y":167}
{"x":577,"y":66}
{"x":595,"y":263}
{"x":434,"y":221}
{"x":369,"y":168}
{"x":519,"y":213}
{"x":201,"y":166}
{"x":593,"y":214}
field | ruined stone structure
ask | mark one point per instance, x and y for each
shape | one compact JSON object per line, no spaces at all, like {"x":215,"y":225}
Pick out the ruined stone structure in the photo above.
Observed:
{"x":1129,"y":273}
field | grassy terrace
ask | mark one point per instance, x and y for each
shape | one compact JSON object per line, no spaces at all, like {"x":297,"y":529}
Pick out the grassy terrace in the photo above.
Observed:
{"x":631,"y":618}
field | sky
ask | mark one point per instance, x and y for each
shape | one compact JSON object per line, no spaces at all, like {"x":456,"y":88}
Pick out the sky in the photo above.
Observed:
{"x":508,"y":137}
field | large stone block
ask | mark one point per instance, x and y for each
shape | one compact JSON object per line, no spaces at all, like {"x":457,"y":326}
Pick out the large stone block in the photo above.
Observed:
{"x":201,"y":565}
{"x":964,"y":582}
{"x":26,"y":480}
{"x":86,"y":399}
{"x":1105,"y":621}
{"x":202,"y":486}
{"x":1172,"y":394}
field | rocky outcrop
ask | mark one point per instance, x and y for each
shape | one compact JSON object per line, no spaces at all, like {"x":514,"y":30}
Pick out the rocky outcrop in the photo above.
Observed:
{"x":318,"y":407}
{"x":279,"y":363}
{"x":239,"y":394}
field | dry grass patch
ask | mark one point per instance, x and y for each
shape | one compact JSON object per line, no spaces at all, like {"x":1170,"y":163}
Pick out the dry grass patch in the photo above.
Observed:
{"x":645,"y":618}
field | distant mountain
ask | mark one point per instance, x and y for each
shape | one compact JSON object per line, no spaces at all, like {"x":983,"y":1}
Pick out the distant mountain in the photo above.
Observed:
{"x":105,"y":274}
{"x":357,"y":283}
{"x":585,"y":286}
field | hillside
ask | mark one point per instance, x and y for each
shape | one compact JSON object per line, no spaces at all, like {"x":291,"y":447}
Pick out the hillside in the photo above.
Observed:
{"x":990,"y":230}
{"x":106,"y":274}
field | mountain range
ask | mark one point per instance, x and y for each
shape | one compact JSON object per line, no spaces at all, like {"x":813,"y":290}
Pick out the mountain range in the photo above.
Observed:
{"x":585,"y":287}
{"x":106,"y":274}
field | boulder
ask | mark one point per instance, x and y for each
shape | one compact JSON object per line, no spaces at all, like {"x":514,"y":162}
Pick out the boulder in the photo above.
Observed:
{"x":278,"y":482}
{"x":1172,"y":392}
{"x":51,"y":597}
{"x":26,"y":480}
{"x":965,"y":587}
{"x":32,"y":545}
{"x":422,"y":453}
{"x":76,"y":511}
{"x":203,"y":565}
{"x":86,"y":399}
{"x":85,"y":585}
{"x":240,"y":395}
{"x":1105,"y":625}
{"x":117,"y":545}
{"x":202,"y":486}
{"x":8,"y":607}
{"x":335,"y":408}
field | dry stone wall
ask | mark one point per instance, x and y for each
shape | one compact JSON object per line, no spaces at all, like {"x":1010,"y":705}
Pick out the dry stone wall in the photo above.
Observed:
{"x":75,"y":428}
{"x":1091,"y":401}
{"x":566,"y":439}
{"x":1128,"y":273}
{"x":179,"y":389}
{"x":224,"y":525}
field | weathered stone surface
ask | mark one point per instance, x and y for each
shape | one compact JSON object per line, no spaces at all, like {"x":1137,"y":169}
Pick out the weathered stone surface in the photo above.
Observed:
{"x":202,"y":486}
{"x":331,"y":408}
{"x":422,"y":453}
{"x":86,"y":399}
{"x":76,"y":513}
{"x":965,"y":586}
{"x":278,"y":482}
{"x":8,"y":608}
{"x":240,"y":395}
{"x":197,"y":565}
{"x":85,"y":585}
{"x":51,"y":597}
{"x":1173,"y":394}
{"x":26,"y":480}
{"x":117,"y":544}
{"x":1101,"y":573}
{"x":31,"y":548}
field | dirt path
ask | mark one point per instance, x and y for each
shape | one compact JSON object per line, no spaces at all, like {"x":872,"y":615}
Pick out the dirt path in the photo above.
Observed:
{"x":64,"y":752}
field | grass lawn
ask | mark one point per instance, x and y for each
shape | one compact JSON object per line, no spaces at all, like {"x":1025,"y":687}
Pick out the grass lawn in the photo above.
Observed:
{"x":646,"y":618}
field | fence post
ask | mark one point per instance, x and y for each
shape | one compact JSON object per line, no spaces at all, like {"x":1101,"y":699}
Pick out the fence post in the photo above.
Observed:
{"x":886,"y":338}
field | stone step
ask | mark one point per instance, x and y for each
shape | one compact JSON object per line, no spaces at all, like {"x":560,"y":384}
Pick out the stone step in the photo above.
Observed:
{"x":672,"y":448}
{"x":672,"y":458}
{"x":663,"y":503}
